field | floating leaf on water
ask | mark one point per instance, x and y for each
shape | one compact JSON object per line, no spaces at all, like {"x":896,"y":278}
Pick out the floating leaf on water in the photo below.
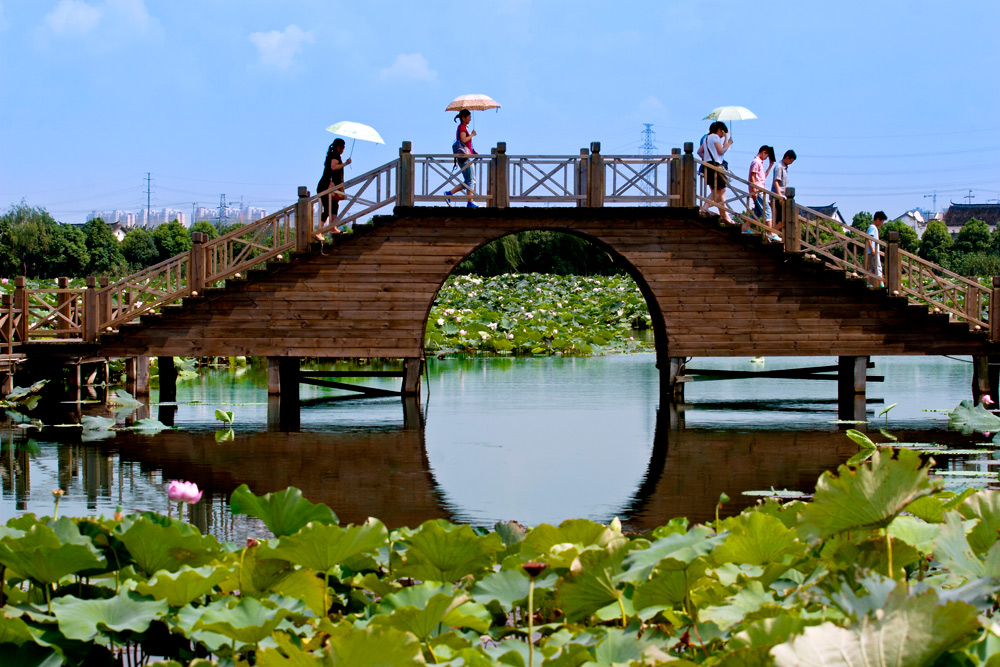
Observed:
{"x":149,"y":425}
{"x":20,"y":393}
{"x":847,"y":421}
{"x":122,"y":398}
{"x":777,"y":493}
{"x":225,"y":417}
{"x":968,"y":418}
{"x":96,"y":423}
{"x":965,"y":473}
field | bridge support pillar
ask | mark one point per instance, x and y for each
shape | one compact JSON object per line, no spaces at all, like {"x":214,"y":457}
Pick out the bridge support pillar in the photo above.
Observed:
{"x":283,"y":393}
{"x":672,"y":383}
{"x":168,"y":379}
{"x":137,"y":376}
{"x":412,"y":370}
{"x":852,"y":379}
{"x":985,"y":377}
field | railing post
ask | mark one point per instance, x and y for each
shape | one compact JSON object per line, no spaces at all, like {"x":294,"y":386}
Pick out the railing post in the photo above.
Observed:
{"x":63,"y":309}
{"x":21,"y":305}
{"x":893,"y":266}
{"x":499,"y":185}
{"x":7,"y":302}
{"x":303,"y":220}
{"x":90,"y":311}
{"x":674,"y":177}
{"x":581,"y":178}
{"x":407,"y":176}
{"x":595,"y":176}
{"x":995,"y":311}
{"x":688,"y":176}
{"x":196,"y":281}
{"x":791,"y":229}
{"x":104,"y":301}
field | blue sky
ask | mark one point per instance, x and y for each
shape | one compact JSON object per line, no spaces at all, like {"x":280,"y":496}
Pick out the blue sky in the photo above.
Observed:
{"x":884,"y":102}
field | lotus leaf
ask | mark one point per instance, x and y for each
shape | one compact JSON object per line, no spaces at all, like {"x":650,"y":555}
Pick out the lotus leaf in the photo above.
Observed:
{"x":123,"y":398}
{"x":13,"y":631}
{"x":47,"y":552}
{"x":560,"y":546}
{"x":860,"y":438}
{"x":256,"y":574}
{"x":96,"y":423}
{"x":931,"y":508}
{"x":302,"y":585}
{"x":156,"y":543}
{"x":441,"y":551}
{"x":868,"y":497}
{"x":28,"y":655}
{"x":680,"y":548}
{"x":746,"y":601}
{"x":440,"y":609}
{"x":284,"y":512}
{"x":247,"y":622}
{"x":953,"y":550}
{"x":508,"y":587}
{"x":289,"y":654}
{"x":594,"y":586}
{"x":20,"y":392}
{"x":913,"y":631}
{"x":768,"y":631}
{"x":756,"y":539}
{"x":620,"y":647}
{"x":985,"y":506}
{"x":223,"y":416}
{"x":320,"y":546}
{"x":667,"y":586}
{"x":376,"y":647}
{"x":84,"y":620}
{"x":918,"y":534}
{"x":511,"y":532}
{"x":149,"y":425}
{"x":184,"y":621}
{"x":183,"y":586}
{"x":968,"y":418}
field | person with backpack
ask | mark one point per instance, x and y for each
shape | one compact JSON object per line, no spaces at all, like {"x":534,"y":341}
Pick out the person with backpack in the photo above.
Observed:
{"x":716,"y":145}
{"x":463,"y":146}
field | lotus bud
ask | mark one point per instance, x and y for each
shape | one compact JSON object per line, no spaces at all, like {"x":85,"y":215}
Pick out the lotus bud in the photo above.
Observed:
{"x":58,"y":493}
{"x":533,"y":568}
{"x":252,"y":542}
{"x":194,"y":292}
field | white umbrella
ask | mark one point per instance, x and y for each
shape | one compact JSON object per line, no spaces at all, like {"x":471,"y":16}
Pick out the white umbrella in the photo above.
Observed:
{"x":730,"y":113}
{"x":355,"y":131}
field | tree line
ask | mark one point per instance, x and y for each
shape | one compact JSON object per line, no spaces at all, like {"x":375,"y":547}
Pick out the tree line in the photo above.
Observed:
{"x":35,"y":245}
{"x":973,"y":252}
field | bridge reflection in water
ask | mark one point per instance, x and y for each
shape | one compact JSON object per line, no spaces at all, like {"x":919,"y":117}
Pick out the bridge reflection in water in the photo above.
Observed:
{"x":385,"y":471}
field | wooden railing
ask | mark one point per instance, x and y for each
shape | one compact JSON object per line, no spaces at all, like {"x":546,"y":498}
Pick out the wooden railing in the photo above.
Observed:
{"x":844,"y":248}
{"x":10,"y":319}
{"x":589,"y":179}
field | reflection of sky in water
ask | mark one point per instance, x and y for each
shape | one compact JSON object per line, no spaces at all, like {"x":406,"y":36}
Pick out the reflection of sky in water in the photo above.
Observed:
{"x":537,"y":440}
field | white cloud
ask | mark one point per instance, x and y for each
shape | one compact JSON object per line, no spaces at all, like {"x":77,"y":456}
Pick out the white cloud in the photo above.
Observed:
{"x":278,"y":49}
{"x":410,"y":66}
{"x":73,"y":16}
{"x":130,"y":12}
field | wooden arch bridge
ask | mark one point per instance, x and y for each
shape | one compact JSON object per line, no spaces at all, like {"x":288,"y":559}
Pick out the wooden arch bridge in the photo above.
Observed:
{"x":270,"y":289}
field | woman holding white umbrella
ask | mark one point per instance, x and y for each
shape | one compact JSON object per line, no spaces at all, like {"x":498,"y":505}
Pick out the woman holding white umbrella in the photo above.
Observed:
{"x":716,"y":145}
{"x":333,"y":175}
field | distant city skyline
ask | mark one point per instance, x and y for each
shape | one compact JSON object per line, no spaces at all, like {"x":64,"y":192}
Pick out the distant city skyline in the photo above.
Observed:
{"x":155,"y":217}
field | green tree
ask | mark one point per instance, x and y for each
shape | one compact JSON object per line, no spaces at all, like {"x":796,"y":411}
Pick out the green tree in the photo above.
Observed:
{"x":171,"y":239}
{"x":935,"y":244}
{"x":25,"y":237}
{"x":861,"y":220}
{"x":106,"y":256}
{"x":975,"y":264}
{"x":974,"y":237}
{"x":205,"y":227}
{"x":67,"y":253}
{"x":908,"y":239}
{"x":139,"y":249}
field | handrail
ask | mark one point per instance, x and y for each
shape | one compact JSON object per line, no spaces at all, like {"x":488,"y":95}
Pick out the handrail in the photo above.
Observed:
{"x":587,"y":179}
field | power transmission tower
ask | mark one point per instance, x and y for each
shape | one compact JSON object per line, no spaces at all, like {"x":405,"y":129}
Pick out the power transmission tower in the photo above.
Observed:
{"x":933,"y":199}
{"x":647,"y":147}
{"x":223,"y":209}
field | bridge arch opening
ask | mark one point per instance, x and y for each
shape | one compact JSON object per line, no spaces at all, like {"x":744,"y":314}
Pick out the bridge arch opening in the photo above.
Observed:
{"x":542,"y":291}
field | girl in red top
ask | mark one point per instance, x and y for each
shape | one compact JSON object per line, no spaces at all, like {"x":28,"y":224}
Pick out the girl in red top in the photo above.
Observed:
{"x":463,"y":145}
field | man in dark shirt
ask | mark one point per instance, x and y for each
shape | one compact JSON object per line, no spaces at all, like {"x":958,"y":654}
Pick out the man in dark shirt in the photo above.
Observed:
{"x":333,"y":175}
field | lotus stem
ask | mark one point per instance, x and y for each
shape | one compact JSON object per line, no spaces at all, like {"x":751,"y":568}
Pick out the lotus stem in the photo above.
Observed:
{"x":531,"y":622}
{"x":621,"y":605}
{"x":427,"y":643}
{"x":888,"y":544}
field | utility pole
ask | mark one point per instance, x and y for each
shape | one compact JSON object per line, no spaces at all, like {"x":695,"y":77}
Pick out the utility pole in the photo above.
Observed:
{"x":149,"y":182}
{"x":194,"y":212}
{"x":969,"y":197}
{"x":223,"y":209}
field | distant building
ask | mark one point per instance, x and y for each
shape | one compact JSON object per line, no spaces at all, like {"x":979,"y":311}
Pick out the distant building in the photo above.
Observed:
{"x":958,"y":214}
{"x":830,"y":211}
{"x":917,"y":220}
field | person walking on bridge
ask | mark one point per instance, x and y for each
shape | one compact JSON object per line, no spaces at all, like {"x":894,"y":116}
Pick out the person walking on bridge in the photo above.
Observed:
{"x":873,"y":258}
{"x":333,"y":175}
{"x":758,"y":184}
{"x":716,"y":145}
{"x":779,"y":182}
{"x":463,"y":146}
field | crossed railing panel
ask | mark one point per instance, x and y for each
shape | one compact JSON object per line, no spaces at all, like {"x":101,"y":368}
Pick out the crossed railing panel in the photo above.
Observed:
{"x":437,"y":174}
{"x":545,"y":179}
{"x":642,"y":179}
{"x":250,"y":245}
{"x":143,"y":292}
{"x":61,"y":319}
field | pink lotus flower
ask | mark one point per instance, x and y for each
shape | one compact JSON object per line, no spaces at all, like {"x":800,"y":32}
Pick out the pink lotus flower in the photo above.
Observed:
{"x":184,"y":492}
{"x":987,"y":400}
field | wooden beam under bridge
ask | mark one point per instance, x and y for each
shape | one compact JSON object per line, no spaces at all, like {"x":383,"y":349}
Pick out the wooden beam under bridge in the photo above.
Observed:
{"x":806,"y":373}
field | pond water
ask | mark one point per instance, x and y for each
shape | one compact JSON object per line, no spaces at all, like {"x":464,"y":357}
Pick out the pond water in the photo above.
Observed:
{"x":536,"y":440}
